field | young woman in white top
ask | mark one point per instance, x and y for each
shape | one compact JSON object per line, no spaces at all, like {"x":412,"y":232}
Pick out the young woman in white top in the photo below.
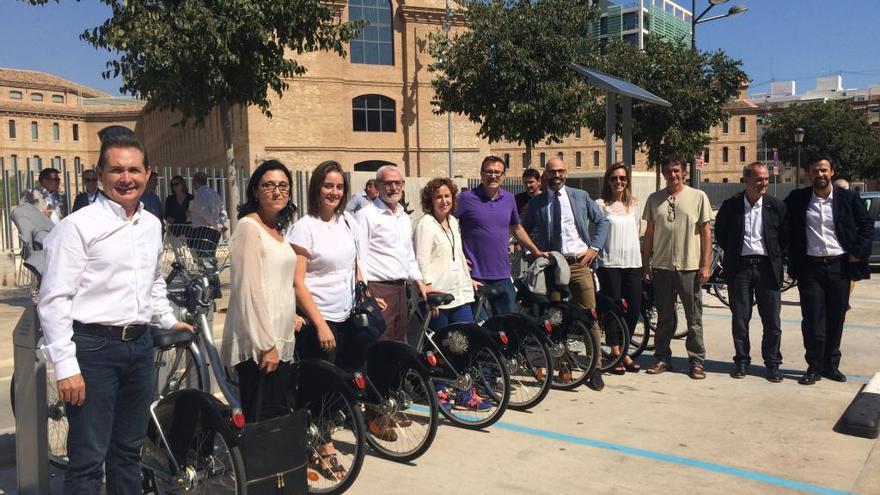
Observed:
{"x":258,"y":336}
{"x":620,"y":274}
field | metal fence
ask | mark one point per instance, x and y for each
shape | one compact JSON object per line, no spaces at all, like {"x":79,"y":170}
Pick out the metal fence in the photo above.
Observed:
{"x":719,"y":192}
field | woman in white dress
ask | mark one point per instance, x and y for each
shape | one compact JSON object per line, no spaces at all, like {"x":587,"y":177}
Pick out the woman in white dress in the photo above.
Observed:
{"x":258,"y":337}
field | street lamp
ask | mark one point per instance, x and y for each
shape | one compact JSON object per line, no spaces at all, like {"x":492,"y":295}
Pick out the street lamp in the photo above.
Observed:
{"x":447,"y":25}
{"x":699,"y":19}
{"x":798,"y":140}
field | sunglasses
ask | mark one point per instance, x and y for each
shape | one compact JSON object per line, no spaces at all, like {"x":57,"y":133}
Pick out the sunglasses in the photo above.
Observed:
{"x":670,"y":209}
{"x":617,"y":178}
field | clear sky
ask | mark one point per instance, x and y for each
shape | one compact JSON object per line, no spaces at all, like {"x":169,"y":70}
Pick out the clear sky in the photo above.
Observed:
{"x":775,"y":39}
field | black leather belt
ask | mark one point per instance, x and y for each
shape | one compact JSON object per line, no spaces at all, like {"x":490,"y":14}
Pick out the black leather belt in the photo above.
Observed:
{"x":124,"y":333}
{"x":753,"y":259}
{"x":826,"y":260}
{"x":390,"y":282}
{"x":572,"y":260}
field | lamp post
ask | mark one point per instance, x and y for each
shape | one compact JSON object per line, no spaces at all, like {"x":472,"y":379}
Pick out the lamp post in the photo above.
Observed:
{"x":699,"y":19}
{"x":798,"y":140}
{"x":447,"y":24}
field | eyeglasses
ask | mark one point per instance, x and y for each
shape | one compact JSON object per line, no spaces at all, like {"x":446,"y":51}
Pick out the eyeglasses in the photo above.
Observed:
{"x":618,"y":178}
{"x":392,"y":183}
{"x":270,"y":187}
{"x":557,"y":171}
{"x":670,"y":209}
{"x":492,"y":173}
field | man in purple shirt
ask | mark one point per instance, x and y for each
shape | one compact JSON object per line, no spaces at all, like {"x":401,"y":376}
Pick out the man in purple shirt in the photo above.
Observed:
{"x":487,"y":216}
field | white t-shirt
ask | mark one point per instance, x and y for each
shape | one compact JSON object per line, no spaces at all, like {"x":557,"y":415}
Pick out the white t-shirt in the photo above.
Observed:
{"x":622,"y":248}
{"x":330,"y":269}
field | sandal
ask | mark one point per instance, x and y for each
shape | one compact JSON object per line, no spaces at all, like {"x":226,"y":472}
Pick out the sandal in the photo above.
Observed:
{"x":632,"y":367}
{"x":619,"y":370}
{"x":327,"y":465}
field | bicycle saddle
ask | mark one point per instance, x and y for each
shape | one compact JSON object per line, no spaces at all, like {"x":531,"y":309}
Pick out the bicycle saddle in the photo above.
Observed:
{"x":491,"y":291}
{"x":435,"y":299}
{"x":166,"y":339}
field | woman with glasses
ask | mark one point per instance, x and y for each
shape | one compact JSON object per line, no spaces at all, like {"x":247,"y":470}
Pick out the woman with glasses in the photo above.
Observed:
{"x":177,"y":206}
{"x":620,"y":264}
{"x":258,"y":338}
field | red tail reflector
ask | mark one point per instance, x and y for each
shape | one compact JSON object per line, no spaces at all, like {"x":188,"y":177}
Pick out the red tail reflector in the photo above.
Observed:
{"x":502,"y":336}
{"x":625,"y":304}
{"x":548,"y":327}
{"x":238,"y":418}
{"x":431,"y":359}
{"x":594,"y":314}
{"x":360,"y":381}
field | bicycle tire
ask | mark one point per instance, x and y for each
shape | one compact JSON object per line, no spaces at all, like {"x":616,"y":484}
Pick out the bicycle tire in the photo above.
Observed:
{"x":578,"y":340}
{"x":56,"y":420}
{"x":334,"y":419}
{"x":223,"y":453}
{"x":531,"y":373}
{"x":614,"y":329}
{"x":417,"y":402}
{"x":181,"y":372}
{"x":485,"y":360}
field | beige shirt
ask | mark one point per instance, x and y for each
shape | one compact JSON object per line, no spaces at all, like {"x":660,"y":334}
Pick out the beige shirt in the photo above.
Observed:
{"x":441,"y":259}
{"x":676,"y":227}
{"x":262,"y":305}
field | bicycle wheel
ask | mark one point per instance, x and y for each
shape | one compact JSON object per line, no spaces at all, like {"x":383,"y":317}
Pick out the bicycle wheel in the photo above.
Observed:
{"x":214,"y":466}
{"x":720,"y":291}
{"x":179,"y":372}
{"x":56,"y":420}
{"x":413,"y":415}
{"x":614,"y":333}
{"x":482,"y":400}
{"x":787,"y":281}
{"x":530,"y":373}
{"x":579,"y":357}
{"x":334,"y":421}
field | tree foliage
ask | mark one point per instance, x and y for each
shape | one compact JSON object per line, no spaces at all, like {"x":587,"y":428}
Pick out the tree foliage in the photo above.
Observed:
{"x":509,"y":72}
{"x":833,"y":128}
{"x":699,"y":85}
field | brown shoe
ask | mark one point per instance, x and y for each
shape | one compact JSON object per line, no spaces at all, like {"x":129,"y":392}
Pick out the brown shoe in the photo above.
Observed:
{"x":401,"y":420}
{"x":697,"y":372}
{"x":381,"y":428}
{"x":658,"y":367}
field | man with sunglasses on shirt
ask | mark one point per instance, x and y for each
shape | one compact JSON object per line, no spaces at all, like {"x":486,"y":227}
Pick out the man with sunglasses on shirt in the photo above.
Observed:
{"x":87,"y":197}
{"x":676,"y":254}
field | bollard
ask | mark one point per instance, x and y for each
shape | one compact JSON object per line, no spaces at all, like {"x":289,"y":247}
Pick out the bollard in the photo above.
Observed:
{"x":31,"y":437}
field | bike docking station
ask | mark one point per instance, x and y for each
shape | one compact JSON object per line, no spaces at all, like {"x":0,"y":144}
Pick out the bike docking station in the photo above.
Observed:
{"x":31,"y":435}
{"x":862,"y":417}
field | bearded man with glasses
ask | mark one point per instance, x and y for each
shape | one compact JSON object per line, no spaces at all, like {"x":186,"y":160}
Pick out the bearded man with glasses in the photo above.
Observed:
{"x":676,"y":255}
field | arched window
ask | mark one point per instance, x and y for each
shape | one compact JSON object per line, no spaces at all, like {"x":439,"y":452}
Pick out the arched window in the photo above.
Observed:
{"x":371,"y":165}
{"x":373,"y":113}
{"x":374,"y":44}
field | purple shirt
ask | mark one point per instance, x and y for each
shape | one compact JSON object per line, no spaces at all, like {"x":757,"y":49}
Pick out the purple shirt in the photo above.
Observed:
{"x":485,"y":231}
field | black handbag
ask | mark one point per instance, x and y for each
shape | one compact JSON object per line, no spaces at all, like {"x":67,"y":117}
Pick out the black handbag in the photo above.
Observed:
{"x":365,"y":314}
{"x":274,"y":452}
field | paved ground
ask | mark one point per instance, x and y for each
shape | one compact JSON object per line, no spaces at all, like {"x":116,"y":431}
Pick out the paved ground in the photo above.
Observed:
{"x":643,"y":433}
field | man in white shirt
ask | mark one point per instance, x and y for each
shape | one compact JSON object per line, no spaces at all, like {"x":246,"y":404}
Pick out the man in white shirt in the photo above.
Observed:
{"x":749,"y":229}
{"x":385,"y":247}
{"x":101,"y":288}
{"x":363,"y":198}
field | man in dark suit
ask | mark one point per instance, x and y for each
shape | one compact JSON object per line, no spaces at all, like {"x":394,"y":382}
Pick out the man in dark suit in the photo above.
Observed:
{"x":829,"y":234}
{"x":87,"y":197}
{"x":749,"y":229}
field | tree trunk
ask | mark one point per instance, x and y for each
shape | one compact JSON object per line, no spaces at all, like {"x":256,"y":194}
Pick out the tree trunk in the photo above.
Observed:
{"x":657,"y":174}
{"x":232,"y":189}
{"x":527,"y":161}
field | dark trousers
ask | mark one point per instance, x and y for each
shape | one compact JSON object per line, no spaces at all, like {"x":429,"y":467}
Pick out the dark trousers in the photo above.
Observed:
{"x":351,"y":345}
{"x":824,"y":293}
{"x":263,"y":396}
{"x":110,"y":427}
{"x":623,"y":283}
{"x":754,"y":278}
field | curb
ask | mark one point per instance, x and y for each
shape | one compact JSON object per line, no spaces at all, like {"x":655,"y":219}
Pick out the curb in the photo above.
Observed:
{"x":862,"y":417}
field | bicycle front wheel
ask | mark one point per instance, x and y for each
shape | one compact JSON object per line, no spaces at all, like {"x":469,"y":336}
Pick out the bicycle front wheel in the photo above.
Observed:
{"x":335,"y":441}
{"x":482,"y":401}
{"x":411,"y":424}
{"x":56,"y":419}
{"x":579,"y":358}
{"x":530,"y":373}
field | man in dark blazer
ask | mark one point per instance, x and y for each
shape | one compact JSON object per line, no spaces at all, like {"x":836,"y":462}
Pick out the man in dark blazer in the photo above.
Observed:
{"x":829,"y":236}
{"x":749,"y":229}
{"x":87,"y":197}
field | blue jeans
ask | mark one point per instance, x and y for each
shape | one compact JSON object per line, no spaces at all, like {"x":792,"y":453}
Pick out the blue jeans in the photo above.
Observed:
{"x":111,"y":424}
{"x":459,"y":314}
{"x":501,"y":305}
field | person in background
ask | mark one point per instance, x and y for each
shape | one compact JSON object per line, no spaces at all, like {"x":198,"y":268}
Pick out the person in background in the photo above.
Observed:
{"x":87,"y":197}
{"x":829,"y":237}
{"x":261,"y":322}
{"x":363,"y":198}
{"x":150,"y":199}
{"x":749,"y":229}
{"x":531,"y":179}
{"x":208,"y":217}
{"x":620,"y":261}
{"x":177,"y":206}
{"x":50,"y":187}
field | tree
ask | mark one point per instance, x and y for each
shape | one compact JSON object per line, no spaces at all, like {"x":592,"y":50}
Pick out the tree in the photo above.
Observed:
{"x":699,"y":85}
{"x":509,"y":72}
{"x":834,"y":128}
{"x":194,"y":56}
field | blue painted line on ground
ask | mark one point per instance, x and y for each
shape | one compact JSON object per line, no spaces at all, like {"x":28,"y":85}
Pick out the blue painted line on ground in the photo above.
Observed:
{"x":674,"y":459}
{"x":791,"y":321}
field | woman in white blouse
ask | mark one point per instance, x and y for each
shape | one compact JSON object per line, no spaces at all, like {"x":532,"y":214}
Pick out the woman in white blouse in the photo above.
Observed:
{"x":261,"y":321}
{"x":620,"y":274}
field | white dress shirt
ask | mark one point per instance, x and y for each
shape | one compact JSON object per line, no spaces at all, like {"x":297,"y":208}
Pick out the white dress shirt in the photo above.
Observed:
{"x":207,"y":209}
{"x":101,"y":267}
{"x":53,"y":199}
{"x":572,"y":244}
{"x":385,"y":244}
{"x":753,"y":233}
{"x":821,"y":238}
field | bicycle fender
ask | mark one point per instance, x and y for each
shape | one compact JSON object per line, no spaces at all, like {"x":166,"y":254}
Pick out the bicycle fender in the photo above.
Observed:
{"x":181,"y":413}
{"x":605,"y":304}
{"x":515,"y":325}
{"x":312,"y":377}
{"x":386,"y":360}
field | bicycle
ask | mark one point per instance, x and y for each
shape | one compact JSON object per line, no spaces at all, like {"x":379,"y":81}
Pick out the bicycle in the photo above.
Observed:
{"x":471,"y":380}
{"x":527,"y":355}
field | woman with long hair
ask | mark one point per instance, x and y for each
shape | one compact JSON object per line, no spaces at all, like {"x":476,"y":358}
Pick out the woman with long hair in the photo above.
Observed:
{"x":177,"y":206}
{"x":620,"y":264}
{"x":258,"y":338}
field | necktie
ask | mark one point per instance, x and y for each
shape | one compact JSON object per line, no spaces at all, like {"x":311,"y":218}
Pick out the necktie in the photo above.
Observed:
{"x":556,"y":227}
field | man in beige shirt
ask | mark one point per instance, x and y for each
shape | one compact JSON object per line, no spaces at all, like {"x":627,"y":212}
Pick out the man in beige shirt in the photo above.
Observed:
{"x":676,"y":255}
